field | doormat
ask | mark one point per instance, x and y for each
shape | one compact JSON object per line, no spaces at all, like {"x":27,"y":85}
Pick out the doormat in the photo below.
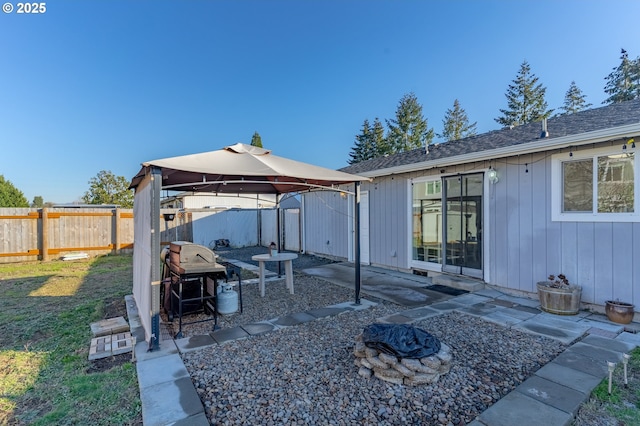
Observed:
{"x":447,"y":290}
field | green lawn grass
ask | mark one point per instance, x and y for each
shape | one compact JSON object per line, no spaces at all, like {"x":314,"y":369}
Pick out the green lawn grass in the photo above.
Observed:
{"x":45,"y":375}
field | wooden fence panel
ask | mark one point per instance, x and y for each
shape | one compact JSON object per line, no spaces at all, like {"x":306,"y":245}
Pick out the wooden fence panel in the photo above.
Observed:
{"x":50,"y":233}
{"x":19,"y":234}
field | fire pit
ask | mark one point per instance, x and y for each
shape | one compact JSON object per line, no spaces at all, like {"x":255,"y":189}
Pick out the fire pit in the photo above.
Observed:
{"x":401,"y":354}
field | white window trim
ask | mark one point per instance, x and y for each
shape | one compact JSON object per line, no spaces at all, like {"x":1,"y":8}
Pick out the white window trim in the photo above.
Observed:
{"x":419,"y":264}
{"x":556,"y":189}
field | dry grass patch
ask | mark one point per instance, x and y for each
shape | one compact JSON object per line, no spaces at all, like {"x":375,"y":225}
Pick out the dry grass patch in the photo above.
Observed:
{"x":46,"y":377}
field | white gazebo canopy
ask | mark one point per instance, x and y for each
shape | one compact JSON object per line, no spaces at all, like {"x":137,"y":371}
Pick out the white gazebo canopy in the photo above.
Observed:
{"x":235,"y":169}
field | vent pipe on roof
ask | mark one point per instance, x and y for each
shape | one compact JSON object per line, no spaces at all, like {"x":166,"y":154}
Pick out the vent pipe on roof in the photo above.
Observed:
{"x":545,"y":132}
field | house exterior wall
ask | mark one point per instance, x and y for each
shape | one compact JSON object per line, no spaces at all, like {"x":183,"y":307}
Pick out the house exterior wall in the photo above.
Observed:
{"x":388,"y":238}
{"x":326,"y":224}
{"x":523,"y":245}
{"x":526,"y":245}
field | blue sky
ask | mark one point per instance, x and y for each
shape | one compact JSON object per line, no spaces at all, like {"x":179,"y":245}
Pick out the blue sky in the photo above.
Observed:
{"x":106,"y":85}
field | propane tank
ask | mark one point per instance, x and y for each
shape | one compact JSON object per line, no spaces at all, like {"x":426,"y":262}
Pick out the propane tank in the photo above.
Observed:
{"x":227,"y":299}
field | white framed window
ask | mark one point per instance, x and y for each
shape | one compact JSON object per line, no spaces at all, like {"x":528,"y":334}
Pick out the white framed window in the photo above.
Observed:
{"x":599,"y":185}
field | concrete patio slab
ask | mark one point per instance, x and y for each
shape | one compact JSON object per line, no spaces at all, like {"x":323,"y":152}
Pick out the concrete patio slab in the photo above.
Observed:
{"x":582,"y":363}
{"x":521,"y":314}
{"x":631,"y":338}
{"x":518,"y":409}
{"x":503,"y":303}
{"x":632,"y":327}
{"x":480,"y":309}
{"x":420,"y":313}
{"x":194,"y":343}
{"x":364,"y":304}
{"x":580,"y":316}
{"x":227,"y":334}
{"x":462,"y":283}
{"x":553,"y":394}
{"x":471,"y":299}
{"x":326,"y":312}
{"x":610,"y":344}
{"x":400,"y":288}
{"x":609,"y":326}
{"x":293,"y":319}
{"x":447,"y":306}
{"x":257,"y":328}
{"x":532,"y":303}
{"x":595,"y":352}
{"x":562,"y":335}
{"x":167,"y":347}
{"x":559,"y":322}
{"x":185,"y":402}
{"x":489,"y":292}
{"x":595,"y":331}
{"x":574,"y":379}
{"x":500,"y":318}
{"x":160,"y":370}
{"x":199,"y":419}
{"x":527,"y":309}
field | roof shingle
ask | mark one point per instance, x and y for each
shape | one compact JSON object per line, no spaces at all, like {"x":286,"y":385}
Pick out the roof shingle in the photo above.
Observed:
{"x":614,"y":115}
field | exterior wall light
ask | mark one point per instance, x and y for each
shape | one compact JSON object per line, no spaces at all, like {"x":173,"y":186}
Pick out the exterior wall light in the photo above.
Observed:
{"x":492,"y":174}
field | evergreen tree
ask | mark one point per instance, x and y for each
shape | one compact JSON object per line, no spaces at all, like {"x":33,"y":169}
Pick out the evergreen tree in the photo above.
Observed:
{"x":370,"y":143}
{"x":574,"y":100}
{"x":409,"y":130}
{"x":37,"y":202}
{"x":623,"y":84}
{"x":363,"y":148}
{"x":379,"y":140}
{"x":256,"y":140}
{"x":456,"y":124}
{"x":10,"y":196}
{"x":525,"y":100}
{"x":107,"y":188}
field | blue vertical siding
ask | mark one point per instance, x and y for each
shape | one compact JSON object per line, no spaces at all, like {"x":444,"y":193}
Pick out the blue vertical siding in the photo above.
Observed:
{"x":523,"y":245}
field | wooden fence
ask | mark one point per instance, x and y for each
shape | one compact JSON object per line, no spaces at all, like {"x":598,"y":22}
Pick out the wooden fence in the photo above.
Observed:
{"x":45,"y":234}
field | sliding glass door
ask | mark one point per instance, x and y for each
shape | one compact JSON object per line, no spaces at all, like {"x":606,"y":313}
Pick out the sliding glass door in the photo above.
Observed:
{"x":462,"y":217}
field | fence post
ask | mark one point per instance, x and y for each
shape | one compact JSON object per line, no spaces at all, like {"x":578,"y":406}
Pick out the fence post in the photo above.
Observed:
{"x":116,"y":231}
{"x":45,"y":234}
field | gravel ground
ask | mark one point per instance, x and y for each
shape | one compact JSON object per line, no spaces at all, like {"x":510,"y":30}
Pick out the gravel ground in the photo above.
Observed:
{"x":310,"y":293}
{"x":306,"y":374}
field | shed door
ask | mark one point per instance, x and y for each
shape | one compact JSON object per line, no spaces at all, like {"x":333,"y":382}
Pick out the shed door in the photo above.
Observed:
{"x":462,"y":217}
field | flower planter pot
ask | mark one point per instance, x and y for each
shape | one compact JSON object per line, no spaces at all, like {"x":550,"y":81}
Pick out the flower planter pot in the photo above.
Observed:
{"x":619,"y":312}
{"x":560,"y":301}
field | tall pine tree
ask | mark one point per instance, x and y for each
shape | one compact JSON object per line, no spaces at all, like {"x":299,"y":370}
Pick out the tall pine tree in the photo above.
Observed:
{"x":574,"y":100}
{"x":623,"y":84}
{"x":456,"y":124}
{"x":256,"y":140}
{"x":409,"y":130}
{"x":370,"y":143}
{"x":525,"y":100}
{"x":379,"y":140}
{"x":362,"y":147}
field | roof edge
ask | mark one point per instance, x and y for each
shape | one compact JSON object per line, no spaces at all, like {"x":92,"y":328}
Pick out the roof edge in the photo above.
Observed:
{"x":596,"y":136}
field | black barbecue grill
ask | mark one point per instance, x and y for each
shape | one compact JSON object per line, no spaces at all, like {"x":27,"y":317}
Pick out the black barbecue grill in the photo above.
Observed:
{"x":191,"y":278}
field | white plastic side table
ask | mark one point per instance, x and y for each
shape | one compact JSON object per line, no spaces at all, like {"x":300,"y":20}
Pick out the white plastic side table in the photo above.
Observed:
{"x":287,"y":258}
